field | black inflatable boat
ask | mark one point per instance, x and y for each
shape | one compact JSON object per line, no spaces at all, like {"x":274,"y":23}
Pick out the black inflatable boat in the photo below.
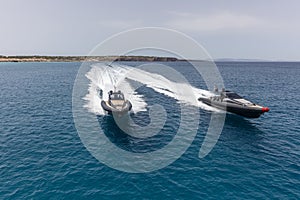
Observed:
{"x":116,"y":103}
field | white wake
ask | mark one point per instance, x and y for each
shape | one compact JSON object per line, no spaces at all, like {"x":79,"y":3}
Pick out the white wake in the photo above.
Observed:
{"x":105,"y":77}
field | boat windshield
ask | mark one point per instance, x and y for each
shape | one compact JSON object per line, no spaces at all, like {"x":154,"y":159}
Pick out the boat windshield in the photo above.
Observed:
{"x":233,"y":95}
{"x":117,"y":97}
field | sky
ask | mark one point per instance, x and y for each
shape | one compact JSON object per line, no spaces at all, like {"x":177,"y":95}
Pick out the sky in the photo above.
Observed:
{"x":255,"y":29}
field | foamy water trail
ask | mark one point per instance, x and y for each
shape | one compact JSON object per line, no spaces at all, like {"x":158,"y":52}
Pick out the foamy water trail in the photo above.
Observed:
{"x":105,"y":77}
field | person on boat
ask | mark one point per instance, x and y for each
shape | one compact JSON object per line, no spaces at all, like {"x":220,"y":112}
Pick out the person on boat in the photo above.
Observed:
{"x":101,"y":93}
{"x":109,"y":97}
{"x":223,"y":94}
{"x":216,"y":90}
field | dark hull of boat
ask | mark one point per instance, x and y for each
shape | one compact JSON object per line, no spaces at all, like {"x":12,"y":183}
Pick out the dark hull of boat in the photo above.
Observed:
{"x":245,"y":111}
{"x":111,"y":110}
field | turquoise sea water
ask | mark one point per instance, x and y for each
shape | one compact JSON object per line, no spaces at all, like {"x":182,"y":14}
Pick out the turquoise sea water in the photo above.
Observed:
{"x":42,"y":156}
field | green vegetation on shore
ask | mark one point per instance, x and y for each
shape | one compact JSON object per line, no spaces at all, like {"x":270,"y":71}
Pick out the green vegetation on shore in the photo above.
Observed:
{"x":83,"y":58}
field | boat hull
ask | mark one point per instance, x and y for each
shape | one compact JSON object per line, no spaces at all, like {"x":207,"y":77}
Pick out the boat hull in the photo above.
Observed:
{"x":127,"y":106}
{"x":243,"y":110}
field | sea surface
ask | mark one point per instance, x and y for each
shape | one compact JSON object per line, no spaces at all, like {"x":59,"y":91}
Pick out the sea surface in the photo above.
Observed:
{"x":42,"y":155}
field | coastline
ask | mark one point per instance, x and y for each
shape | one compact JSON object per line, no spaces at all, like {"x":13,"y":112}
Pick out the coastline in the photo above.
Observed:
{"x":37,"y":58}
{"x":85,"y":58}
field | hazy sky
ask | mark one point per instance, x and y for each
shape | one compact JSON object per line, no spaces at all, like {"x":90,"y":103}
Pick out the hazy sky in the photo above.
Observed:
{"x":227,"y":29}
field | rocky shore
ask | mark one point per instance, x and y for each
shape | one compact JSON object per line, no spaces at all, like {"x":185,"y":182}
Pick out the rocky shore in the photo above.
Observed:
{"x":84,"y":58}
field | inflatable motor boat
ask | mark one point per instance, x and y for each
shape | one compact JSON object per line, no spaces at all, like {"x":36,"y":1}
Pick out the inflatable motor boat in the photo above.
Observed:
{"x":116,"y":103}
{"x":232,"y":102}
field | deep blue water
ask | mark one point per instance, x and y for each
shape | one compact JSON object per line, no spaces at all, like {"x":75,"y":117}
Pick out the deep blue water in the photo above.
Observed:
{"x":43,"y":157}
